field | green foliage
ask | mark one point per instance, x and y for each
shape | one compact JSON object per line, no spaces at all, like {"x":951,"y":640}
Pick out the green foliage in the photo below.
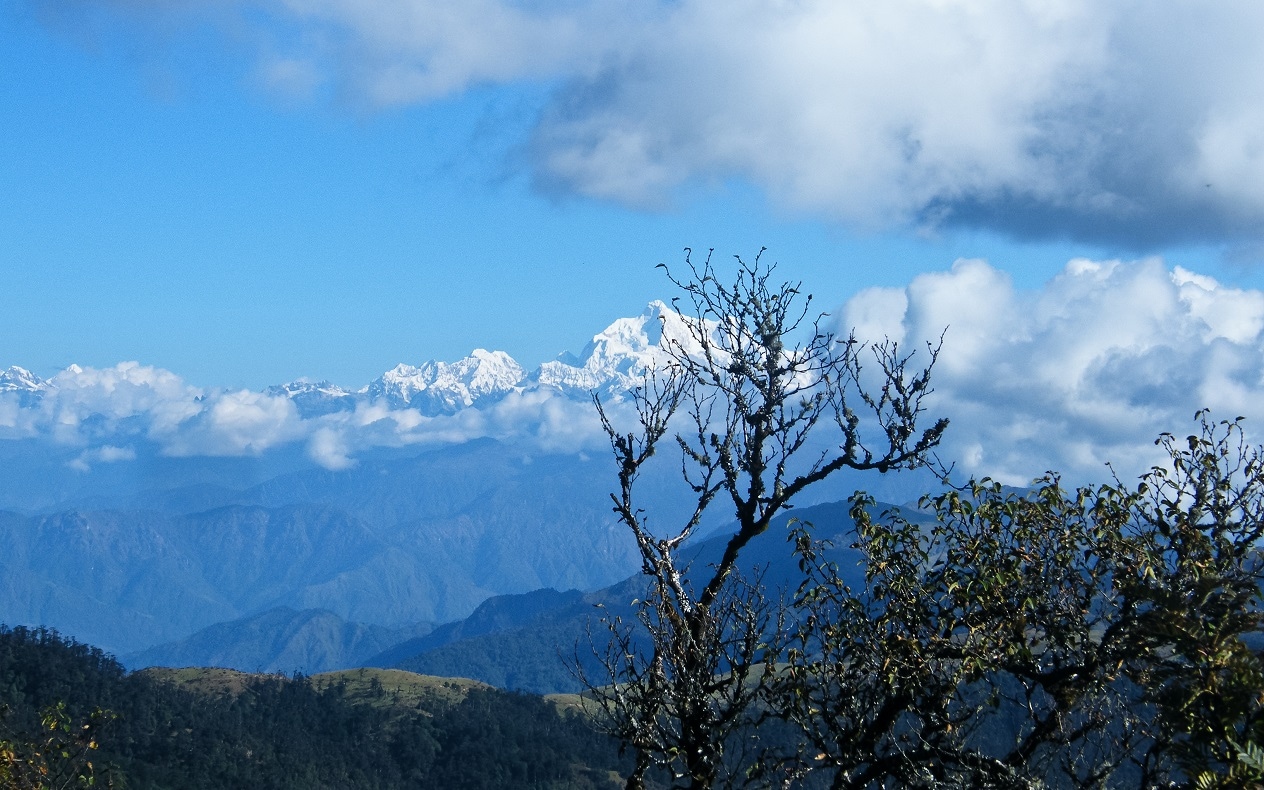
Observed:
{"x":1247,"y":770}
{"x":173,"y":731}
{"x":1086,"y":638}
{"x":1201,"y":589}
{"x":59,"y":757}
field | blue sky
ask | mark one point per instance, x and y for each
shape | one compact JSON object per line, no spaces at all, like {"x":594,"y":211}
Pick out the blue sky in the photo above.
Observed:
{"x":201,"y":198}
{"x":249,"y":192}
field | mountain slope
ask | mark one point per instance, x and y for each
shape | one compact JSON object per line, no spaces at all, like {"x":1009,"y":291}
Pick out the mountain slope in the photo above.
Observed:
{"x":484,"y":521}
{"x":530,"y":651}
{"x":279,"y":640}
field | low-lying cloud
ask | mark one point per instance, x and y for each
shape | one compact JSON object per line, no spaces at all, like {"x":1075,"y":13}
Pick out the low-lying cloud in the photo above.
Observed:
{"x":106,"y":411}
{"x":1131,"y":123}
{"x":1088,"y":369}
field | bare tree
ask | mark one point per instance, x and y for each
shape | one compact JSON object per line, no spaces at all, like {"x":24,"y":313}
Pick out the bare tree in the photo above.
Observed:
{"x":748,"y":395}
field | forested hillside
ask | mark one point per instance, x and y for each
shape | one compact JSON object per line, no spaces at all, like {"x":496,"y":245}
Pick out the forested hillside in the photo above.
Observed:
{"x":218,"y":729}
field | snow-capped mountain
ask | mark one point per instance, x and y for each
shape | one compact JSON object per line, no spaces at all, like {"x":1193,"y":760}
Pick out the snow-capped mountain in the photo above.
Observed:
{"x":137,"y":508}
{"x":614,"y":361}
{"x":24,"y":383}
{"x":16,"y":379}
{"x":448,"y":387}
{"x":105,"y":414}
{"x":315,"y":399}
{"x":618,"y":359}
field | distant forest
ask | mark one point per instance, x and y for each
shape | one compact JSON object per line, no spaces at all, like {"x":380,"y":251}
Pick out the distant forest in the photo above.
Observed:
{"x":273,"y":731}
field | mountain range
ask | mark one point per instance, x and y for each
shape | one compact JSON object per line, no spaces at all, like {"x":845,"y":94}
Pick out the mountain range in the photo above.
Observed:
{"x":527,"y":642}
{"x":121,"y":530}
{"x":613,"y":362}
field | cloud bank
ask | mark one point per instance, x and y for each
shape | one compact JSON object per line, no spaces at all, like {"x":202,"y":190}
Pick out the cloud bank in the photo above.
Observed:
{"x":1088,"y":369}
{"x":108,"y":412}
{"x":1130,"y":123}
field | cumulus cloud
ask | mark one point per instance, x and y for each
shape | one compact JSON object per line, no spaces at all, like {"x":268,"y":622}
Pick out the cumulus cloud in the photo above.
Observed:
{"x":543,"y":418}
{"x":92,"y":403}
{"x":1101,"y":121}
{"x":1132,"y":123}
{"x":402,"y":52}
{"x":236,"y":423}
{"x":1088,"y":369}
{"x":328,"y":447}
{"x":98,"y":406}
{"x":106,"y":413}
{"x":553,"y":422}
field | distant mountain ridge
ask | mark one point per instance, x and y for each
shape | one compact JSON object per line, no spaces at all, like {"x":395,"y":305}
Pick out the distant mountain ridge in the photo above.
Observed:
{"x":526,"y":641}
{"x":537,"y":649}
{"x":137,"y":510}
{"x":396,"y":541}
{"x":279,"y":640}
{"x":614,"y":361}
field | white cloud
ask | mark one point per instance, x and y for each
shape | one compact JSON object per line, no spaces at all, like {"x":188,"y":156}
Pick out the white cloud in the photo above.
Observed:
{"x":553,"y":422}
{"x":16,"y":422}
{"x":876,"y":312}
{"x":862,"y":109}
{"x":89,"y":406}
{"x":1102,"y":120}
{"x":119,"y":391}
{"x":401,"y":52}
{"x":1088,"y":369}
{"x":290,"y":79}
{"x":542,"y":417}
{"x":1127,"y":121}
{"x":238,"y":423}
{"x":88,"y":403}
{"x":1230,"y":313}
{"x":328,"y":447}
{"x":109,"y":454}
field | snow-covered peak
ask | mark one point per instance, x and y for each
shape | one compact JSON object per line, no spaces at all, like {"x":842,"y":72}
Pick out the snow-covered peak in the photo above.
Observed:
{"x":618,"y":358}
{"x":655,"y":328}
{"x":303,"y":386}
{"x":28,"y":387}
{"x":446,"y":387}
{"x":315,"y":398}
{"x":16,"y":379}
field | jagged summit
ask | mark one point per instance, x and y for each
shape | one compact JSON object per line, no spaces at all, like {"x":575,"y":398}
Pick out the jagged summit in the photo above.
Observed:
{"x":14,"y":379}
{"x":315,"y":398}
{"x":614,"y":361}
{"x":447,"y":387}
{"x":28,"y":387}
{"x":618,"y":358}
